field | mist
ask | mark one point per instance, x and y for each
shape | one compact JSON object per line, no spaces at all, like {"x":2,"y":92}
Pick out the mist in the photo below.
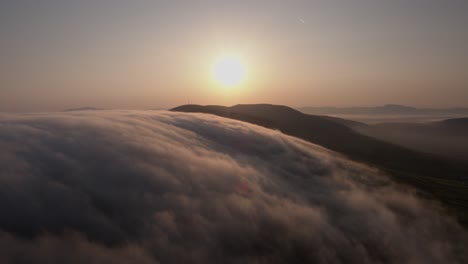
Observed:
{"x":163,"y":187}
{"x":448,"y":138}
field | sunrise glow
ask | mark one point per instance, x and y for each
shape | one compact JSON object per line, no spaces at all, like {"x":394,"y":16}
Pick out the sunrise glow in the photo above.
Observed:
{"x":229,"y":70}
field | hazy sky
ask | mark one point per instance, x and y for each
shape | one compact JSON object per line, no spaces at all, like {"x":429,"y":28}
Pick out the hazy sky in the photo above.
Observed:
{"x":57,"y":54}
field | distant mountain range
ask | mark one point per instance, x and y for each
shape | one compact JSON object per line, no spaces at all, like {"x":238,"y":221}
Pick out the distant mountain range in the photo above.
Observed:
{"x":438,"y":176}
{"x":87,"y":108}
{"x":389,"y":109}
{"x":448,"y":137}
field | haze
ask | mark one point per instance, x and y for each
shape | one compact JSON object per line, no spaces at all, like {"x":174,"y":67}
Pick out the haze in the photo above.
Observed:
{"x":158,"y":54}
{"x":211,"y":131}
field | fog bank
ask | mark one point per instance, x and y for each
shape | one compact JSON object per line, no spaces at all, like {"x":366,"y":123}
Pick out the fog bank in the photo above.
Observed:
{"x":162,"y":187}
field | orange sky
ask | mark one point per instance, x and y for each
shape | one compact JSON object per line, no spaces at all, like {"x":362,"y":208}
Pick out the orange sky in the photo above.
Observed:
{"x":159,"y":54}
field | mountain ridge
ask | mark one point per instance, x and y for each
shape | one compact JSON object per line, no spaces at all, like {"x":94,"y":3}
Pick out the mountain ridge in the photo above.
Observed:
{"x":434,"y":175}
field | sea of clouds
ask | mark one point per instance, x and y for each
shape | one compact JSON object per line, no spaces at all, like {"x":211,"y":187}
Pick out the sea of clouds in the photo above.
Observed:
{"x":163,"y":187}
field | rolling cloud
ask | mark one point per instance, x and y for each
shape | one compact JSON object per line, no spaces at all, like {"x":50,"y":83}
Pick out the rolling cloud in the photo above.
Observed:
{"x":161,"y":187}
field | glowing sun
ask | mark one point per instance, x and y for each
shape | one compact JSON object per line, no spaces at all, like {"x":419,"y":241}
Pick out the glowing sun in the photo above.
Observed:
{"x":229,"y":70}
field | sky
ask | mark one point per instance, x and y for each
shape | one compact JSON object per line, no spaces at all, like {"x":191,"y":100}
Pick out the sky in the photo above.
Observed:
{"x":58,"y":54}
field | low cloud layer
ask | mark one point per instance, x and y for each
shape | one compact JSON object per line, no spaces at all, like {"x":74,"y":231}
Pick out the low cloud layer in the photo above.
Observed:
{"x":161,"y":187}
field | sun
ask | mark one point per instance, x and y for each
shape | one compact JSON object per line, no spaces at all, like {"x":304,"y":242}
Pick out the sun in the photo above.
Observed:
{"x":229,"y":70}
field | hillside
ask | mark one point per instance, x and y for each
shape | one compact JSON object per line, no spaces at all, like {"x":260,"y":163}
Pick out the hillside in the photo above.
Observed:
{"x":434,"y":175}
{"x":334,"y":133}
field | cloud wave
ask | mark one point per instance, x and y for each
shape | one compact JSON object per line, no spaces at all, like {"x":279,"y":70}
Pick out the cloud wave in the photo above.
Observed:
{"x":162,"y":187}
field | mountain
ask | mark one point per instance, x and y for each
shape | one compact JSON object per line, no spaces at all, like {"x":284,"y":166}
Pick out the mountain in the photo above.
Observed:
{"x":336,"y":134}
{"x":389,"y":109}
{"x":448,"y":137}
{"x":435,"y":176}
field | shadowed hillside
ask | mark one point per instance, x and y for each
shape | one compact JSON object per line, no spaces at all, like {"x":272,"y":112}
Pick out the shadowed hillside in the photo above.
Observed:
{"x":334,"y":133}
{"x":432,"y":174}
